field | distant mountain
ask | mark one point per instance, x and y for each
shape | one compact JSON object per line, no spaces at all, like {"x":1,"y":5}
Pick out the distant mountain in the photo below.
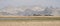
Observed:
{"x":25,"y":11}
{"x":56,"y":11}
{"x":5,"y":13}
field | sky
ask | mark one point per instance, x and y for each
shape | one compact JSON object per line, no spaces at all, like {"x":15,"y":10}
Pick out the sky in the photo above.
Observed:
{"x":16,"y":3}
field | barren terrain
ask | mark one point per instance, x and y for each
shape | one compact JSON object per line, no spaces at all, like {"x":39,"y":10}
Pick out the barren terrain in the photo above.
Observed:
{"x":29,"y":21}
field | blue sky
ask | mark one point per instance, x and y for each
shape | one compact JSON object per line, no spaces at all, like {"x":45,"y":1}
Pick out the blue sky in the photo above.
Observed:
{"x":15,"y":3}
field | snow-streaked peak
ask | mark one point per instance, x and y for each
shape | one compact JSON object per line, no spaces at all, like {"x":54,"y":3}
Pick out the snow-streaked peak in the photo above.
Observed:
{"x":38,"y":9}
{"x":24,"y":10}
{"x":12,"y":9}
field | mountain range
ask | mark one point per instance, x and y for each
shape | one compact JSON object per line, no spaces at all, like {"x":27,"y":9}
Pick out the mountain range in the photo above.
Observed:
{"x":29,"y":10}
